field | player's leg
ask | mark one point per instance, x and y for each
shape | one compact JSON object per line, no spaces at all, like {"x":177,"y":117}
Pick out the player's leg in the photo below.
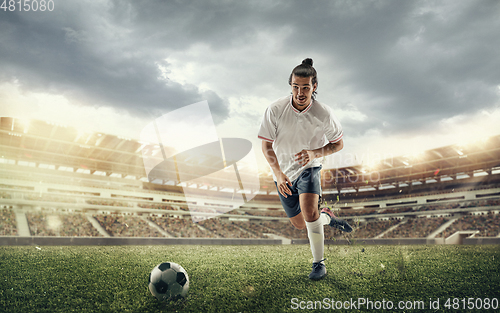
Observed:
{"x":334,"y":221}
{"x":298,"y":221}
{"x":315,"y":233}
{"x":309,"y":187}
{"x":292,"y":208}
{"x":309,"y":206}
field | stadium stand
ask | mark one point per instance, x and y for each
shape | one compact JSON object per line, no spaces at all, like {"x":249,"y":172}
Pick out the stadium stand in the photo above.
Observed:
{"x":56,"y":177}
{"x":77,"y":225}
{"x":257,"y":229}
{"x":270,"y":213}
{"x":126,"y":226}
{"x":7,"y":222}
{"x":285,"y":229}
{"x":42,"y":225}
{"x":53,"y":224}
{"x":488,"y":225}
{"x":225,"y":230}
{"x":416,"y":228}
{"x":182,"y":227}
{"x":372,"y":228}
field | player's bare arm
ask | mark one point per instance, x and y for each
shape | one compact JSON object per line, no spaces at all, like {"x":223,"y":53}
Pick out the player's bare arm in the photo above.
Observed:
{"x":282,"y":180}
{"x":306,"y":156}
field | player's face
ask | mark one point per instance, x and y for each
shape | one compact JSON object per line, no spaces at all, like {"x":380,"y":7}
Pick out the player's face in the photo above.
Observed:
{"x":302,"y":90}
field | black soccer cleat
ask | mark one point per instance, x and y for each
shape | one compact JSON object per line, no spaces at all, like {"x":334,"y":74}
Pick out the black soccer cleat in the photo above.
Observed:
{"x":318,"y":270}
{"x":337,"y":222}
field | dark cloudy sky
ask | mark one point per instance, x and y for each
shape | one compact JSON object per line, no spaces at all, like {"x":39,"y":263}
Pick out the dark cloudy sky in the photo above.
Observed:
{"x":402,"y":76}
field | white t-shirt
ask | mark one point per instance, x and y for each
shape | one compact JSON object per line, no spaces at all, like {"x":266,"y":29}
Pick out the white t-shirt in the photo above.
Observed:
{"x":291,"y":131}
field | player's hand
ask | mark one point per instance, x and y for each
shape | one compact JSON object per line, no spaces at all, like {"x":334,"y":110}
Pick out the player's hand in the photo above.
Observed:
{"x":282,"y":183}
{"x":304,"y":157}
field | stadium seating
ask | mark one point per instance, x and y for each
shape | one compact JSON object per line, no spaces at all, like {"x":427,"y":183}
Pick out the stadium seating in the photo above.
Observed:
{"x":39,"y":225}
{"x":416,"y":228}
{"x":372,"y":228}
{"x":226,"y":230}
{"x":126,"y":226}
{"x":7,"y":222}
{"x":50,"y":224}
{"x":487,"y":224}
{"x":181,"y":227}
{"x":55,"y":198}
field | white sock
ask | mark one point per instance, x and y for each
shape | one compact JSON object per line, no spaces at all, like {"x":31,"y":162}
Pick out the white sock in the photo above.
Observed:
{"x":325,"y":218}
{"x":316,"y":236}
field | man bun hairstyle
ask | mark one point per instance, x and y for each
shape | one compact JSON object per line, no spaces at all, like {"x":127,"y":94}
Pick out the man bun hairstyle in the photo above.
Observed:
{"x":305,"y":69}
{"x":308,"y":61}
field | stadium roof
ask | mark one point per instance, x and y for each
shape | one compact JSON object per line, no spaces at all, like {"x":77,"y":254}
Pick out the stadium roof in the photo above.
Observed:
{"x":444,"y":163}
{"x":49,"y":143}
{"x":42,"y":142}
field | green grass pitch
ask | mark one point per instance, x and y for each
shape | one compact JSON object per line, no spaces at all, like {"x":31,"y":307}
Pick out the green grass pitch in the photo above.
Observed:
{"x":244,"y":278}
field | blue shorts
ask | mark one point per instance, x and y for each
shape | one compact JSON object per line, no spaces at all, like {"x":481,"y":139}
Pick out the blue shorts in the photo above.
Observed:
{"x":309,"y":181}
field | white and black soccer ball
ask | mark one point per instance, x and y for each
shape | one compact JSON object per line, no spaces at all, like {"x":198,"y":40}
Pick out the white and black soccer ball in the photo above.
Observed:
{"x":169,"y":281}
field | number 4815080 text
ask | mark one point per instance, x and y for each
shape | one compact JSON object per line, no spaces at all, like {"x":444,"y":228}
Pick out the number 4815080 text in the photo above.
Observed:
{"x":27,"y":5}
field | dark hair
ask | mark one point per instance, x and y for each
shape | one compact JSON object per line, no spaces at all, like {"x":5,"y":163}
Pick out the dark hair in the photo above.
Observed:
{"x":305,"y":69}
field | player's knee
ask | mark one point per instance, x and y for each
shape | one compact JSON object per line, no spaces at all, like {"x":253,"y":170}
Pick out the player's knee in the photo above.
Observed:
{"x":299,"y":225}
{"x":311,"y":215}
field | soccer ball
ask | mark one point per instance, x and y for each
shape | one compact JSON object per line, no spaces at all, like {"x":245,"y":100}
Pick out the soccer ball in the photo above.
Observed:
{"x":168,"y":281}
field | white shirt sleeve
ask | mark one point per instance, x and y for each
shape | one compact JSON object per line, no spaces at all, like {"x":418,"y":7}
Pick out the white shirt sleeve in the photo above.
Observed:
{"x":333,"y":129}
{"x":268,"y":126}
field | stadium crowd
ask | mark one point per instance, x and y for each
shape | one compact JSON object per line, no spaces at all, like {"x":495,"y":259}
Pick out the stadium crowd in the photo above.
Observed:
{"x":72,"y":225}
{"x":269,"y":213}
{"x":255,"y":228}
{"x":372,"y":228}
{"x":126,"y":226}
{"x":181,"y":227}
{"x":435,"y":207}
{"x":422,"y":208}
{"x":15,"y":187}
{"x":226,"y":229}
{"x":397,"y":210}
{"x":356,"y":212}
{"x":487,"y":224}
{"x":38,"y":223}
{"x":109,"y":202}
{"x":157,"y":206}
{"x":286,"y":229}
{"x":77,"y":225}
{"x":5,"y":195}
{"x":416,"y":227}
{"x":7,"y":222}
{"x":119,"y":225}
{"x":49,"y":198}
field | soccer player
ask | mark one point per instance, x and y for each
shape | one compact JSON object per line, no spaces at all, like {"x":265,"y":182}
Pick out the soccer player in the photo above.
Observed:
{"x":296,"y":132}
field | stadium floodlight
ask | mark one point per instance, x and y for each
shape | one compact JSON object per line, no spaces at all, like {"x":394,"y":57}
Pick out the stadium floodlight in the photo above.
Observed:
{"x":24,"y":124}
{"x":20,"y":123}
{"x":459,"y":151}
{"x":416,"y":155}
{"x":371,"y":165}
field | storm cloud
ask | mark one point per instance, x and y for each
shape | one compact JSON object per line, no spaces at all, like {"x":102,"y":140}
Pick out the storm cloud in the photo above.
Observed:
{"x":391,"y":66}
